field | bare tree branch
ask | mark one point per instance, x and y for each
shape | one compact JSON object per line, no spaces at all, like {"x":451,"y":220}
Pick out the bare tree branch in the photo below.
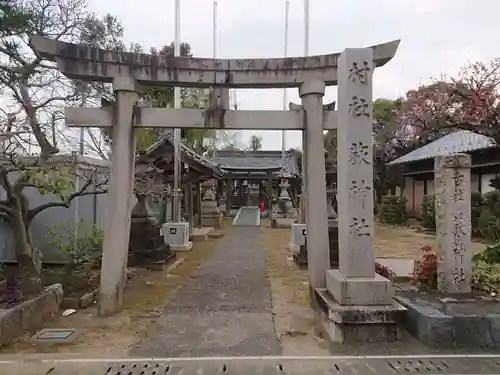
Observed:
{"x":66,"y":202}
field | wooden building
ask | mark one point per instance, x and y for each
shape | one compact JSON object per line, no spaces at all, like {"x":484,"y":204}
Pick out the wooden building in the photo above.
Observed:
{"x":252,"y":176}
{"x":195,"y":169}
{"x":419,"y":165}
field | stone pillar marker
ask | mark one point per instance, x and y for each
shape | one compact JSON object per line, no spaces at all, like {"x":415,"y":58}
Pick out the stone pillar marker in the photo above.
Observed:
{"x":118,"y":209}
{"x":453,"y":222}
{"x":355,"y":282}
{"x":312,"y":93}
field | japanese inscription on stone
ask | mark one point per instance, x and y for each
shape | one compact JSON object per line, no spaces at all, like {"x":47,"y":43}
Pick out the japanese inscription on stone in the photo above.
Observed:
{"x":360,"y":190}
{"x":453,"y":215}
{"x":358,"y":153}
{"x":458,"y":192}
{"x":355,"y":182}
{"x":359,"y":107}
{"x":359,"y":72}
{"x":359,"y":227}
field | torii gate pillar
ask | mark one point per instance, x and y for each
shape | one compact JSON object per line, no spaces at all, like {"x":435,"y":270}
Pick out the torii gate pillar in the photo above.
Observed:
{"x":115,"y":246}
{"x":318,"y":257}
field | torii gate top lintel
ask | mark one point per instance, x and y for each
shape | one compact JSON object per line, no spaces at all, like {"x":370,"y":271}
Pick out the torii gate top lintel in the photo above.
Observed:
{"x":78,"y":61}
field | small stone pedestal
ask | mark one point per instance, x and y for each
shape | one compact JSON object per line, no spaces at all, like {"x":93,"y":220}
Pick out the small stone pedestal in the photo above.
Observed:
{"x":201,"y":234}
{"x":210,"y":212}
{"x":177,"y":236}
{"x":298,"y":243}
{"x":298,"y":235}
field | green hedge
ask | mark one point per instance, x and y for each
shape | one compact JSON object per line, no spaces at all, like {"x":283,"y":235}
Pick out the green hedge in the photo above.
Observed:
{"x":489,"y":218}
{"x":476,"y":201}
{"x":393,"y":210}
{"x":428,"y":212}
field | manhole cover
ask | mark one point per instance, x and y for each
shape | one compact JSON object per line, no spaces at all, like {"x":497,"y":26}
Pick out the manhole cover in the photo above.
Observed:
{"x":55,"y":335}
{"x":418,"y":365}
{"x":138,"y":369}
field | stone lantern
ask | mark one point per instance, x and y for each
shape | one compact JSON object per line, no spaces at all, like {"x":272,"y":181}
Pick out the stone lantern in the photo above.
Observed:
{"x":210,"y":212}
{"x":285,"y":205}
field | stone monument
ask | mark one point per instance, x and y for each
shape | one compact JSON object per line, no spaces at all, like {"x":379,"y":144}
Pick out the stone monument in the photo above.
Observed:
{"x":453,"y":223}
{"x":456,"y":316}
{"x":361,"y":300}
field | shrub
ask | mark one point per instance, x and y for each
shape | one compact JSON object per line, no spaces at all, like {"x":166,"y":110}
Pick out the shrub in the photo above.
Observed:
{"x":82,"y":246}
{"x":492,"y":202}
{"x":485,"y":270}
{"x":489,"y":225}
{"x":490,"y":255}
{"x":486,"y":277}
{"x":489,"y":218}
{"x":384,"y":271}
{"x":476,"y":200}
{"x":393,"y":210}
{"x":426,"y":275}
{"x":429,"y":212}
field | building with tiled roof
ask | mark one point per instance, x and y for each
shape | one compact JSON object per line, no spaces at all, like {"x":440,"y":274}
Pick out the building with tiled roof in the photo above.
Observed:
{"x":250,"y":176}
{"x":418,"y":165}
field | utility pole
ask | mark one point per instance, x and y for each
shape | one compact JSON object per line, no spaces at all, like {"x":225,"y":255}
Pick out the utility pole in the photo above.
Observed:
{"x":285,"y":104}
{"x":177,"y":131}
{"x":214,"y":50}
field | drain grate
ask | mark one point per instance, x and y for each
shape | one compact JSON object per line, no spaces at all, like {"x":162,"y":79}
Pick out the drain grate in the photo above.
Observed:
{"x":55,"y":335}
{"x":421,"y":366}
{"x":138,"y":369}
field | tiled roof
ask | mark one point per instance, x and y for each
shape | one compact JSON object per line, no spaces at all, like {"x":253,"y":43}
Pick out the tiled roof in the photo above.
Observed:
{"x":256,"y":160}
{"x":188,"y":156}
{"x":456,"y":142}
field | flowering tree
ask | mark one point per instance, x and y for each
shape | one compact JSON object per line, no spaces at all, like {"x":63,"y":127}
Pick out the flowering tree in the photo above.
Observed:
{"x":469,"y":101}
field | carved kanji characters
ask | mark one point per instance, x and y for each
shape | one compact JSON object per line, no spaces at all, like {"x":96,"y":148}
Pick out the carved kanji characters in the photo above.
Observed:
{"x":359,"y":72}
{"x":358,"y":153}
{"x":359,"y":107}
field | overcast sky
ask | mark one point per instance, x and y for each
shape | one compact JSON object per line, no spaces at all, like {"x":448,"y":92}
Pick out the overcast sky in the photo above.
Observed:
{"x":438,"y":36}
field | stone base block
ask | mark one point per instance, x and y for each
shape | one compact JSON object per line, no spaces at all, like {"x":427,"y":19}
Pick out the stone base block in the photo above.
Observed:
{"x":186,"y":247}
{"x":200,"y":234}
{"x":215,"y":222}
{"x":446,"y":321}
{"x":359,"y":291}
{"x":358,"y":324}
{"x":295,"y":249}
{"x":281,"y":222}
{"x":215,"y":235}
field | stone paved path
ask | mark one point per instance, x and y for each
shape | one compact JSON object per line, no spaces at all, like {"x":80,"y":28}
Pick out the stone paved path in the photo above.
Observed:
{"x":247,"y":216}
{"x":224,"y":309}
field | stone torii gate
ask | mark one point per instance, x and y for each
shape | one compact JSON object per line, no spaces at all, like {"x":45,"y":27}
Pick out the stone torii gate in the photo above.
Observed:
{"x":352,"y":70}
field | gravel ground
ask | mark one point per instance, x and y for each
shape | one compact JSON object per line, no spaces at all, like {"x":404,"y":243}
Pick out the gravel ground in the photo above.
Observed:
{"x":224,"y":309}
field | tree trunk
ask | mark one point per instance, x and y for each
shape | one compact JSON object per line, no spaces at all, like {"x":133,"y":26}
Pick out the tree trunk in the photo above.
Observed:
{"x":28,"y":258}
